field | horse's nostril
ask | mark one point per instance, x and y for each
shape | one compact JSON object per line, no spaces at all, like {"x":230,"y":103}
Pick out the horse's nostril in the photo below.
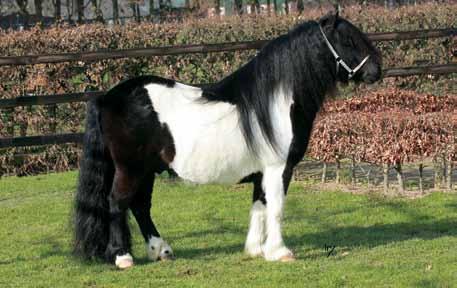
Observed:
{"x":167,"y":252}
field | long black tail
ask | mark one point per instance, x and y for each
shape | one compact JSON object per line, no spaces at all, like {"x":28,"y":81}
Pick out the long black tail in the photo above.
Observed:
{"x":91,"y":219}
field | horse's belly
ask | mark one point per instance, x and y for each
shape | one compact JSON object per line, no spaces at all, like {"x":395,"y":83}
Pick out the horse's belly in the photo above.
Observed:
{"x":221,"y":157}
{"x":215,"y":169}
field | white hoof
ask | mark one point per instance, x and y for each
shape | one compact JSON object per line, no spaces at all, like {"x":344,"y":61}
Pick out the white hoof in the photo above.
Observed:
{"x":124,"y":261}
{"x":158,"y":249}
{"x":282,"y":254}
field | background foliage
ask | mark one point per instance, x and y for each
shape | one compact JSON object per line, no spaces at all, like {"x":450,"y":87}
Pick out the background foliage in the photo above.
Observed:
{"x":195,"y":68}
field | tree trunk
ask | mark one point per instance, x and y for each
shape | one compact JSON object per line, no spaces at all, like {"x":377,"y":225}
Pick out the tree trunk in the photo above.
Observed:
{"x":286,"y":6}
{"x":300,"y":6}
{"x":218,"y":7}
{"x":421,"y":178}
{"x":38,"y":9}
{"x":401,"y":183}
{"x":116,"y":11}
{"x":257,"y":6}
{"x":239,"y":7}
{"x":22,"y":4}
{"x":80,"y":10}
{"x":269,"y":7}
{"x":275,"y":6}
{"x":151,"y":10}
{"x":98,"y":11}
{"x":136,"y":11}
{"x":324,"y":173}
{"x":385,"y":172}
{"x":58,"y":9}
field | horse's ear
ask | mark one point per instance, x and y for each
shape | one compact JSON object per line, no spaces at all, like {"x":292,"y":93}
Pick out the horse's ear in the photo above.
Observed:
{"x":329,"y":20}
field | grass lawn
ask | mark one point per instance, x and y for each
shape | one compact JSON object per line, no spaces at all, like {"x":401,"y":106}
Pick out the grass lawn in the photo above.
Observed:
{"x":378,"y":242}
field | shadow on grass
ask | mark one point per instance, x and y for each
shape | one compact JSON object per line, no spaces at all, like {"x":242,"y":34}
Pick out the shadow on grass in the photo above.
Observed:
{"x":377,"y":235}
{"x":348,"y":237}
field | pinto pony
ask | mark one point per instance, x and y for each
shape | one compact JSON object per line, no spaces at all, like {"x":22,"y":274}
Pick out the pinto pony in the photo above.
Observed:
{"x":253,"y":126}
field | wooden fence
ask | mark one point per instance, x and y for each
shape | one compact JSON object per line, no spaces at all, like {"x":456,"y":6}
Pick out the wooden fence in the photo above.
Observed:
{"x":176,"y":50}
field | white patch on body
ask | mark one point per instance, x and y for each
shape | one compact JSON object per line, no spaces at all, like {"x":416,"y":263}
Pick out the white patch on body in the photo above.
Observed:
{"x":256,"y":234}
{"x":158,"y":249}
{"x":274,"y":248}
{"x":210,"y":148}
{"x":209,"y":144}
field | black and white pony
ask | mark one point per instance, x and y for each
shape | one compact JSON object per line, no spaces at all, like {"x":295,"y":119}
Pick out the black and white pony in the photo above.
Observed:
{"x":252,"y":126}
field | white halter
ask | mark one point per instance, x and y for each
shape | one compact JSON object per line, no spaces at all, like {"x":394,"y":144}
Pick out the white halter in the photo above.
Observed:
{"x":340,"y":61}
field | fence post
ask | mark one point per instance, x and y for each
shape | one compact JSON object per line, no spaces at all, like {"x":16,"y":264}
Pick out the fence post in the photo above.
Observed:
{"x":449,"y":174}
{"x":401,"y":183}
{"x":421,"y":178}
{"x":9,"y":115}
{"x":338,"y":166}
{"x":52,"y":113}
{"x":385,"y":172}
{"x":324,"y":173}
{"x":437,"y":173}
{"x":353,"y":177}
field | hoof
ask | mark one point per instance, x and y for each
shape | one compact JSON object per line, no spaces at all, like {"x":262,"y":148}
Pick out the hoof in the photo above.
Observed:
{"x":124,"y":261}
{"x":280,"y":254}
{"x":253,"y":252}
{"x":158,"y":249}
{"x":166,"y":255}
{"x":287,"y":258}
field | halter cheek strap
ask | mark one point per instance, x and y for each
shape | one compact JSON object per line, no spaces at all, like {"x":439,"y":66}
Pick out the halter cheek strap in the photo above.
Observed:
{"x":340,"y":61}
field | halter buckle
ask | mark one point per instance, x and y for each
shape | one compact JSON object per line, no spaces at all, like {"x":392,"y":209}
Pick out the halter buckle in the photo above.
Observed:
{"x":340,"y":61}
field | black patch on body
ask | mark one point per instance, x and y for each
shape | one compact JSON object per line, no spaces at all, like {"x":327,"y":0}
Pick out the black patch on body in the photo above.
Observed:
{"x":132,"y":128}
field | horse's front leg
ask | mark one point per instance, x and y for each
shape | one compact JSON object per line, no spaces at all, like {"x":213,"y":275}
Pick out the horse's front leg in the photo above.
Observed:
{"x":275,"y":191}
{"x":256,"y":233}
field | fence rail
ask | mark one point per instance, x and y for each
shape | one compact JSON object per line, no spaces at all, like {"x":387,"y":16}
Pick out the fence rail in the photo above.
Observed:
{"x":162,"y":51}
{"x":41,"y":140}
{"x":203,"y":48}
{"x":84,"y":96}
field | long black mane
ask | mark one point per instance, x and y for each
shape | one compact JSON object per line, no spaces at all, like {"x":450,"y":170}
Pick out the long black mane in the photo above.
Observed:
{"x":297,"y":62}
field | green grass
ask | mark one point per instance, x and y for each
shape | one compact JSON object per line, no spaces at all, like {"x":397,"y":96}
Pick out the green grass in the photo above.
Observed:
{"x":379,"y":242}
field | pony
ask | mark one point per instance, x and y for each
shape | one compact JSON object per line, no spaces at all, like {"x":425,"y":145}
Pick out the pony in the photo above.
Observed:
{"x":251,"y":127}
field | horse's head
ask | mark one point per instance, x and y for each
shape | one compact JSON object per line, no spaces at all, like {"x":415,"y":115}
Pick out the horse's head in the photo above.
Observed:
{"x":355,"y":56}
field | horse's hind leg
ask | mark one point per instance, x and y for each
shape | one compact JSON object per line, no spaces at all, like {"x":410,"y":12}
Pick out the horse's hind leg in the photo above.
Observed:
{"x":119,"y":245}
{"x":156,"y":247}
{"x":256,"y":233}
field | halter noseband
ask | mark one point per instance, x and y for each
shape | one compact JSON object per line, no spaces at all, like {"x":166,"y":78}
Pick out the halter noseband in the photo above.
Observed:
{"x":340,"y":61}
